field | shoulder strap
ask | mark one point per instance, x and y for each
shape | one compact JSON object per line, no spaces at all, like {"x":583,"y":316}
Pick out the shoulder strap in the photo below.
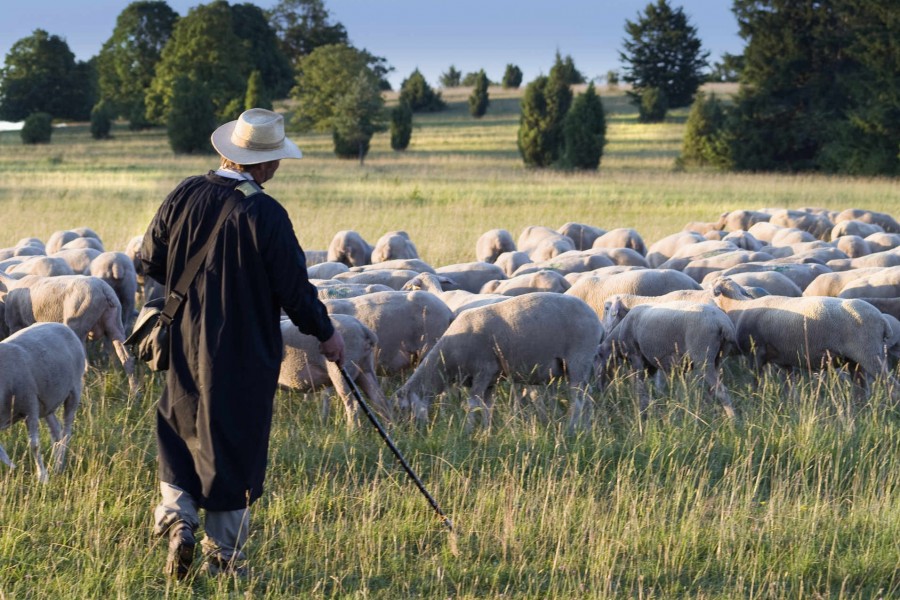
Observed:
{"x":176,"y":294}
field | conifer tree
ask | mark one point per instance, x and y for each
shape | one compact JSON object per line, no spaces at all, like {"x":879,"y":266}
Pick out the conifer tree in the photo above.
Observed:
{"x":478,"y":99}
{"x":401,"y":126}
{"x":584,"y":132}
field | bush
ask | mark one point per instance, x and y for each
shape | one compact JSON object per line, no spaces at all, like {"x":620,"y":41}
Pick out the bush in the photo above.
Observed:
{"x":704,"y":137}
{"x":191,"y":118}
{"x":478,"y":99}
{"x":37,"y":129}
{"x":612,"y":78}
{"x":344,"y":148}
{"x":101,"y":121}
{"x":652,"y":105}
{"x":256,"y":96}
{"x":584,"y":132}
{"x":451,"y":78}
{"x":419,"y":95}
{"x":401,"y":126}
{"x":512,"y":77}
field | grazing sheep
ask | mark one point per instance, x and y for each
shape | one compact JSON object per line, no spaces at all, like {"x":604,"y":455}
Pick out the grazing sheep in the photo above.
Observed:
{"x":350,"y":248}
{"x":801,"y":274}
{"x":510,"y":262}
{"x":879,"y":242}
{"x":883,"y":220}
{"x":86,"y":304}
{"x":551,"y":247}
{"x":831,"y":284}
{"x":886,"y":258}
{"x":883,"y":283}
{"x":817,"y":225}
{"x":736,"y":220}
{"x":773,"y":282}
{"x":622,"y":237}
{"x":392,"y":245}
{"x":80,"y":259}
{"x":59,"y":238}
{"x":84,"y":242}
{"x":534,"y":339}
{"x":670,"y":335}
{"x":807,"y":332}
{"x":117,"y":269}
{"x":786,"y":236}
{"x":491,"y":244}
{"x":41,"y":368}
{"x":408,"y":264}
{"x":646,"y":282}
{"x":393,"y":278}
{"x":764,"y":231}
{"x":574,"y":261}
{"x":700,"y":227}
{"x":407,"y":324}
{"x":540,"y":281}
{"x":326,"y":270}
{"x":457,"y":300}
{"x":335,"y":290}
{"x":582,"y":235}
{"x":699,"y":268}
{"x":743,"y":240}
{"x":853,"y":227}
{"x":622,"y":256}
{"x":45,"y":266}
{"x":533,"y":235}
{"x":304,"y":368}
{"x":472,"y":276}
{"x":685,"y":254}
{"x":663,"y":249}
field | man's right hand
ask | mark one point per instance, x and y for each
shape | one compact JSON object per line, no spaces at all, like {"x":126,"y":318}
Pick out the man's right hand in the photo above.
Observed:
{"x":333,"y":348}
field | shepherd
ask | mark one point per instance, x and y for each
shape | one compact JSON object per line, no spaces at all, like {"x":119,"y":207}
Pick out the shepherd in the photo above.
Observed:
{"x":215,"y":414}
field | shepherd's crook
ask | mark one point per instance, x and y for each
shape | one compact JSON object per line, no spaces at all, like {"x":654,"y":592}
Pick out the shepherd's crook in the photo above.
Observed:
{"x":445,"y":520}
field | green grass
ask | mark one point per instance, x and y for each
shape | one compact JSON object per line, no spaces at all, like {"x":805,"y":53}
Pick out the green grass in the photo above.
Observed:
{"x":797,"y":499}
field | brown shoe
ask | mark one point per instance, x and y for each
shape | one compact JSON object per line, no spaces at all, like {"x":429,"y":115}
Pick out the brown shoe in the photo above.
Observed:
{"x":215,"y":566}
{"x":181,"y":550}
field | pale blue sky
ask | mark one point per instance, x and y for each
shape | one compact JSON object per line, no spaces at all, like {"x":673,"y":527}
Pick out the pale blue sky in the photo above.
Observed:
{"x":428,"y":34}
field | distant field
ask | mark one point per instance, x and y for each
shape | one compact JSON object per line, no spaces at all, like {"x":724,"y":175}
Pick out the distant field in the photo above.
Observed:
{"x":799,"y":498}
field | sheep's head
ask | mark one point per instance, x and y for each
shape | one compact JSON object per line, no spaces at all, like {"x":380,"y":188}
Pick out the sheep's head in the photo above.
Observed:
{"x":411,"y":404}
{"x":728,"y":288}
{"x":614,"y":310}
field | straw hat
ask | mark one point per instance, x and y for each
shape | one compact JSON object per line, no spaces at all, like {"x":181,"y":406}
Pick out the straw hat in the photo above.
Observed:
{"x":257,"y":136}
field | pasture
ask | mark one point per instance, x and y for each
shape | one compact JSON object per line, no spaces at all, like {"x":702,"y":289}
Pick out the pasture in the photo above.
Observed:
{"x":799,"y":498}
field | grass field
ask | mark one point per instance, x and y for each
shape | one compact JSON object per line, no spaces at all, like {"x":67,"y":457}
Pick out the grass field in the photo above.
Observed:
{"x":800,"y":498}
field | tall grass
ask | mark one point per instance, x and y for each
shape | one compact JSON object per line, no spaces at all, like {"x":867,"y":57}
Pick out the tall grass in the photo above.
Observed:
{"x":797,"y":498}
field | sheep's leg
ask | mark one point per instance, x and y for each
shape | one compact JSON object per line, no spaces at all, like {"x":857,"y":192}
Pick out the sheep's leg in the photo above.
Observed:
{"x":579,"y":406}
{"x":31,"y":422}
{"x":717,"y":390}
{"x":4,"y":458}
{"x":480,"y":399}
{"x":127,"y":360}
{"x":343,"y":390}
{"x":61,"y":442}
{"x":368,"y":383}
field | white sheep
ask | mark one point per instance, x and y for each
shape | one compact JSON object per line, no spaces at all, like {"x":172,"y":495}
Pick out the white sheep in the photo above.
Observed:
{"x":350,"y":248}
{"x":622,"y":237}
{"x":574,"y":261}
{"x":408,"y":264}
{"x":807,"y":332}
{"x":457,"y":300}
{"x":642,"y":282}
{"x":41,"y":368}
{"x":117,"y":269}
{"x":80,"y":259}
{"x":86,"y":304}
{"x":885,"y":258}
{"x":664,"y":248}
{"x":45,"y":266}
{"x":667,"y":336}
{"x":581,"y":234}
{"x":510,"y":262}
{"x":471,"y":276}
{"x":540,"y":281}
{"x":393,"y":244}
{"x":392,"y":278}
{"x":741,"y":219}
{"x":831,"y":284}
{"x":84,"y":242}
{"x":535,"y":338}
{"x":326,"y":270}
{"x":407,"y":324}
{"x":801,"y":274}
{"x":883,"y":283}
{"x":878,"y":242}
{"x":333,"y":289}
{"x":854,"y":227}
{"x":852,"y":246}
{"x":883,"y":220}
{"x":533,"y":235}
{"x":816,"y":224}
{"x":491,"y":244}
{"x":304,"y":368}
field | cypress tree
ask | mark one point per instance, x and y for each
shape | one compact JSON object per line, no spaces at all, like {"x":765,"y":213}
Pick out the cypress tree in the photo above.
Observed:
{"x":401,"y":126}
{"x":478,"y":99}
{"x":191,"y":118}
{"x":101,"y":121}
{"x":584,"y":131}
{"x":512,"y":77}
{"x":705,"y":137}
{"x":256,"y":96}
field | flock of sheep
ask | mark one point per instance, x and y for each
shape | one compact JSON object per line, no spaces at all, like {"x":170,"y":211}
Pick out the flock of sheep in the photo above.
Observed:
{"x":802,"y":289}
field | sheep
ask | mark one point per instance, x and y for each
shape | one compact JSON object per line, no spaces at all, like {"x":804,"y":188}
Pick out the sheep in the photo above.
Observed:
{"x":764,"y":231}
{"x":533,"y":339}
{"x":472,"y":276}
{"x":315,"y":257}
{"x":510,"y":262}
{"x":807,"y":331}
{"x":685,"y":254}
{"x":621,"y":256}
{"x":715,"y":234}
{"x":491,"y":244}
{"x":42,"y":368}
{"x":393,"y":278}
{"x":326,"y":270}
{"x":582,"y":235}
{"x":885,"y":258}
{"x":853,"y":227}
{"x":772,"y":282}
{"x":394,"y":244}
{"x":304,"y":368}
{"x":573,"y":278}
{"x":84,"y":242}
{"x":540,"y":281}
{"x":621,"y":237}
{"x":800,"y":273}
{"x":86,"y":304}
{"x":663,"y":249}
{"x":350,"y":248}
{"x":80,"y":259}
{"x":700,"y":227}
{"x":699,"y":268}
{"x":574,"y":261}
{"x":117,"y":269}
{"x":407,"y":324}
{"x":333,"y":289}
{"x":668,"y":335}
{"x":456,"y":300}
{"x":57,"y":239}
{"x":743,"y":240}
{"x":648,"y":282}
{"x":883,"y":283}
{"x":551,"y":247}
{"x":831,"y":284}
{"x":817,"y":225}
{"x":883,"y":220}
{"x":741,"y":219}
{"x":785,"y":236}
{"x":45,"y":266}
{"x":533,"y":235}
{"x":408,"y":264}
{"x":878,"y":242}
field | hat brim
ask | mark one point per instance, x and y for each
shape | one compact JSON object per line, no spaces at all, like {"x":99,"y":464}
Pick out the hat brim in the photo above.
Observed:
{"x":221,"y":141}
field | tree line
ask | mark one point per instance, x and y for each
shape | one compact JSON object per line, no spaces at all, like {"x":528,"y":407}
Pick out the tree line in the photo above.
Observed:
{"x":817,"y":83}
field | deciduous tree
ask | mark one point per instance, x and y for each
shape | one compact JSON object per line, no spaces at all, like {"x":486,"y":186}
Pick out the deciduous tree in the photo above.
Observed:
{"x":304,"y":25}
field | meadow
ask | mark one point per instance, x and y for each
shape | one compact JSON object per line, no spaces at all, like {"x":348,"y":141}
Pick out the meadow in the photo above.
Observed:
{"x":798,"y":498}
